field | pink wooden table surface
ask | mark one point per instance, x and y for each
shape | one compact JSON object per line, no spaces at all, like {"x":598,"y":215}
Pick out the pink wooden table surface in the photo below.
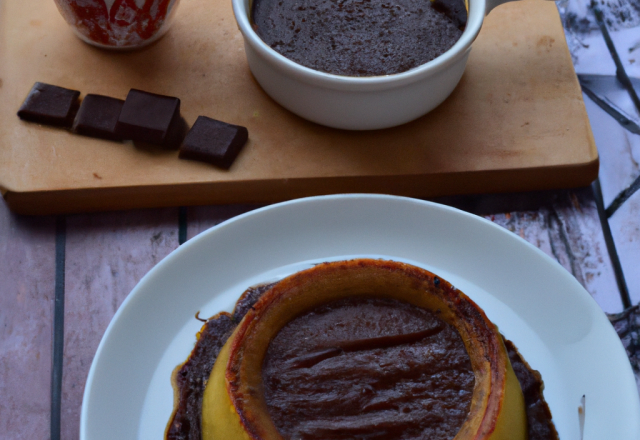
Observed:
{"x":106,"y":254}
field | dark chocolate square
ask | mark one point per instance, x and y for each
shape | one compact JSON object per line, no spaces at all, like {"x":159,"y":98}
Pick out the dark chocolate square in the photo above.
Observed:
{"x":150,"y":118}
{"x":213,"y":141}
{"x":50,"y":105}
{"x":98,"y":116}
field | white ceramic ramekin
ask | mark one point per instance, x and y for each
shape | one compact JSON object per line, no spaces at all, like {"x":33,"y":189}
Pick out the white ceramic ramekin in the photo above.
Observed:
{"x":359,"y":103}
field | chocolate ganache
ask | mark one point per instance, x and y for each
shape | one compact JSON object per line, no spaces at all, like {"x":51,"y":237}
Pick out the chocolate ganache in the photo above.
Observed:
{"x":360,"y":37}
{"x":191,"y":377}
{"x":368,"y":368}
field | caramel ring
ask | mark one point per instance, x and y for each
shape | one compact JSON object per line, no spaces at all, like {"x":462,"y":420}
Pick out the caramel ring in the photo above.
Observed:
{"x":234,"y":407}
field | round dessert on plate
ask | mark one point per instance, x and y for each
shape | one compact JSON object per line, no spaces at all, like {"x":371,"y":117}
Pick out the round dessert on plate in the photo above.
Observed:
{"x":352,"y":349}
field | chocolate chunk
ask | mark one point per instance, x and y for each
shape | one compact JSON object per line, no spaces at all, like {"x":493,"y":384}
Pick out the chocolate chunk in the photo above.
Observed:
{"x":150,"y":118}
{"x":98,"y":116}
{"x":50,"y":105}
{"x":213,"y":141}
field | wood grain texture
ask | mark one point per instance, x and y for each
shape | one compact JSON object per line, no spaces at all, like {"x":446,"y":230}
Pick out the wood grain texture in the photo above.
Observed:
{"x":106,"y":257}
{"x":27,"y":272}
{"x":575,"y":241}
{"x":627,"y":325}
{"x":563,"y":224}
{"x":619,"y":167}
{"x":625,"y":228}
{"x":515,"y":122}
{"x":619,"y":152}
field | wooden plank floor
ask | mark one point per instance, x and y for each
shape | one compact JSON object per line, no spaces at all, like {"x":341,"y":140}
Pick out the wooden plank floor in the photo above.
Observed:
{"x":619,"y":148}
{"x":107,"y":254}
{"x":27,"y":267}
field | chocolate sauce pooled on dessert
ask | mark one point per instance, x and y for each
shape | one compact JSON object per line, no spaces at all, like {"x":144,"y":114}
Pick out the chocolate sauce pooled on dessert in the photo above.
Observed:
{"x":540,"y":426}
{"x":359,"y":37}
{"x":191,"y":377}
{"x":368,"y":368}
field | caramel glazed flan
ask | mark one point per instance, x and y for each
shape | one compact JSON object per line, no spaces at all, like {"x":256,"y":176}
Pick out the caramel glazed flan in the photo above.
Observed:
{"x":359,"y":349}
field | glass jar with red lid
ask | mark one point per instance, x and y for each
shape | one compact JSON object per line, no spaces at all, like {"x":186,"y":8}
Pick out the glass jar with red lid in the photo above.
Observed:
{"x":118,"y":24}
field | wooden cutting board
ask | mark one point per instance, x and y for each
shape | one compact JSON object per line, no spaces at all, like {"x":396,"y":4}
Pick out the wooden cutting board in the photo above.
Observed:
{"x":515,"y":122}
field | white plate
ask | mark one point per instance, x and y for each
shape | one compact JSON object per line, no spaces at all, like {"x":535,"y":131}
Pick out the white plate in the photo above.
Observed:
{"x":557,"y":326}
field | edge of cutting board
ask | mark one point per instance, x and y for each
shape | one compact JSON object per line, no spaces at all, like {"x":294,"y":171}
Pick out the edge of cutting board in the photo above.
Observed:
{"x":422,"y":186}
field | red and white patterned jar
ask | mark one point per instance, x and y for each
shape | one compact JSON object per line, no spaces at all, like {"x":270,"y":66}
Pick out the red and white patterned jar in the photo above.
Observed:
{"x":118,"y":24}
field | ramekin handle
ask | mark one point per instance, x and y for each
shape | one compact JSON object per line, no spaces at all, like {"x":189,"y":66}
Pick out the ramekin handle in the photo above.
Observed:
{"x":493,"y":3}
